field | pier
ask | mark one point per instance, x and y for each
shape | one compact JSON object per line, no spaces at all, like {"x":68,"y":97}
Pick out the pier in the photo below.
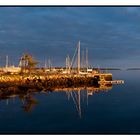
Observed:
{"x":112,"y":82}
{"x":20,"y":84}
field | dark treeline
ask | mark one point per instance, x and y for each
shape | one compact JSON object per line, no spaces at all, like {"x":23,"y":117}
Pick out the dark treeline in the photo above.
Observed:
{"x":133,"y":69}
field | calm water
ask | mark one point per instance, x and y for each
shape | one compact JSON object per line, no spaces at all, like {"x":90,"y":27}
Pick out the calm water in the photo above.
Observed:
{"x":114,"y":111}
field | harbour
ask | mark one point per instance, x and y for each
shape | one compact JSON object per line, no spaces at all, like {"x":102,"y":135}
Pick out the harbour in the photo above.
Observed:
{"x":69,"y":70}
{"x":29,"y":77}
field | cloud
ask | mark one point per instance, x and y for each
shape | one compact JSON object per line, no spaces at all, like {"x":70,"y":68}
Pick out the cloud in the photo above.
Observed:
{"x":110,"y":33}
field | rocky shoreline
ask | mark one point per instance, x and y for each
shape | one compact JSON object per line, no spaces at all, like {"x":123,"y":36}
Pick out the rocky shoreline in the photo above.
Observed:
{"x":24,"y":84}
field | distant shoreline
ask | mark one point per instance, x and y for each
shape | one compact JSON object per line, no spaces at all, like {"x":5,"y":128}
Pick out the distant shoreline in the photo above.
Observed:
{"x":133,"y":69}
{"x":127,"y":69}
{"x":106,"y":69}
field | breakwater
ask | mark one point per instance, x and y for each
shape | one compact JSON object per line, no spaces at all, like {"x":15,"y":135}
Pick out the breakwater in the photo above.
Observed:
{"x":24,"y":83}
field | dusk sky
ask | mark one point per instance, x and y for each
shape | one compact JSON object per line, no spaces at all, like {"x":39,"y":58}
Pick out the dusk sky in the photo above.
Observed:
{"x":111,"y":34}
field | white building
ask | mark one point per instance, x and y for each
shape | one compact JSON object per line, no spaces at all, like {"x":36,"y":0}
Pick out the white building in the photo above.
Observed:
{"x":11,"y":69}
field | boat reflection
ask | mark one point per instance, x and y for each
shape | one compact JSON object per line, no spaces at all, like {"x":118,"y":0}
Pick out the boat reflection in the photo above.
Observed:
{"x":76,"y":94}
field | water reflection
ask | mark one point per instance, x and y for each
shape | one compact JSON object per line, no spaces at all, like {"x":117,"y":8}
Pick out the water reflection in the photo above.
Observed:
{"x":29,"y":103}
{"x":76,"y":94}
{"x":83,"y":93}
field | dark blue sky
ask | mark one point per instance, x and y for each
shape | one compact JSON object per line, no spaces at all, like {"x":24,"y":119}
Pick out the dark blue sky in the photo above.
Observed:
{"x":111,"y":34}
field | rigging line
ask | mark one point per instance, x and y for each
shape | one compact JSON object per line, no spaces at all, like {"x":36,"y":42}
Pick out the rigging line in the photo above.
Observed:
{"x":73,"y":57}
{"x":74,"y":101}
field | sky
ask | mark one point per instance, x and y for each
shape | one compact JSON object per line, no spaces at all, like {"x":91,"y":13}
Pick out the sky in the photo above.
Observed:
{"x":111,"y":34}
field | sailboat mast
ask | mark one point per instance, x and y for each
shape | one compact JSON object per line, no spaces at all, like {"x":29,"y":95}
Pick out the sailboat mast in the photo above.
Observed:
{"x":45,"y":65}
{"x":87,"y":58}
{"x":83,"y":61}
{"x":67,"y":63}
{"x":6,"y":61}
{"x":78,"y":60}
{"x":49,"y":64}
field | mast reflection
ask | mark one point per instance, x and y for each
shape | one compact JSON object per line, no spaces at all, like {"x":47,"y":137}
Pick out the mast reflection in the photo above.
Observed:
{"x":78,"y":94}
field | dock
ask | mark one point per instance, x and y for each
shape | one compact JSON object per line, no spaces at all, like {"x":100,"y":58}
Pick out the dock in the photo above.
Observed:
{"x":111,"y":82}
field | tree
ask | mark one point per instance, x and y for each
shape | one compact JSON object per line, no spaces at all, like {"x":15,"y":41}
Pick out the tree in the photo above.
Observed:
{"x":27,"y":63}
